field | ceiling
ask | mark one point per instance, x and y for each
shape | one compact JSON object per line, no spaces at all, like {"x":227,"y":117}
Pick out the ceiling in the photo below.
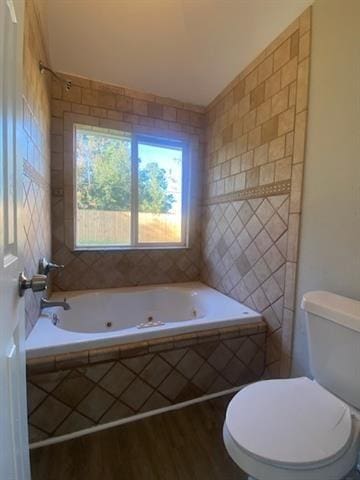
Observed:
{"x":185,"y":49}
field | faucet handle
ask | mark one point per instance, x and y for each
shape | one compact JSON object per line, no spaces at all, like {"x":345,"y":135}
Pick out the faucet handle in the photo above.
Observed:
{"x":45,"y":266}
{"x":37,"y":283}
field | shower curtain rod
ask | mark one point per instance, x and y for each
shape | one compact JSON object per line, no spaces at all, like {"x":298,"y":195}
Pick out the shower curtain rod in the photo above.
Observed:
{"x":44,"y":68}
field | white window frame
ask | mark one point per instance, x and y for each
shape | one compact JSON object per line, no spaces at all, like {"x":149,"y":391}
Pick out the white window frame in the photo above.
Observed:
{"x":137,"y":138}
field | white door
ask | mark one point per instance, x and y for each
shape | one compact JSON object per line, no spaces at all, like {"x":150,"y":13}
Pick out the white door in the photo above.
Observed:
{"x":14,"y":457}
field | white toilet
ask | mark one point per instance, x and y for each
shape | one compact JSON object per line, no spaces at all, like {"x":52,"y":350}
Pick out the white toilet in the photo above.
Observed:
{"x":302,"y":429}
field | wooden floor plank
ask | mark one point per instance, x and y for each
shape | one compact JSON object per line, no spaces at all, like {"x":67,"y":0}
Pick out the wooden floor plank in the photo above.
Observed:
{"x":184,"y":444}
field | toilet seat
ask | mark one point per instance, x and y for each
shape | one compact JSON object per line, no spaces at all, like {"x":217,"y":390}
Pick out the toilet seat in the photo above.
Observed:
{"x":290,"y":426}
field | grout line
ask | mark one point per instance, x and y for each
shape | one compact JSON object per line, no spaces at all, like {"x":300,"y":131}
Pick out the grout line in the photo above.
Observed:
{"x":133,"y":418}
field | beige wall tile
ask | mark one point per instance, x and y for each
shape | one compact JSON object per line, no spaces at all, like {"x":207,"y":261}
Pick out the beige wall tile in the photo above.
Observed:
{"x":290,"y":278}
{"x":257,"y":95}
{"x":289,"y":144}
{"x":235,"y":165}
{"x":261,"y":155}
{"x":237,"y":128}
{"x":263,"y":112}
{"x":239,"y":91}
{"x":56,"y":89}
{"x":254,"y":138}
{"x":277,"y":148}
{"x":244,"y":105}
{"x":83,"y":109}
{"x":98,"y":112}
{"x":249,"y":121}
{"x":265,"y":69}
{"x":73,"y":95}
{"x":247,"y":160}
{"x":267,"y":173}
{"x":239,"y":182}
{"x":304,"y":46}
{"x":289,"y":72}
{"x":124,"y":104}
{"x":140,"y":107}
{"x":252,"y":178}
{"x":251,"y":81}
{"x":282,"y":54}
{"x":293,"y":236}
{"x":279,"y":102}
{"x":227,"y":134}
{"x":269,"y":130}
{"x":169,"y":113}
{"x":283,"y":169}
{"x":272,"y":85}
{"x":114,"y":115}
{"x":57,"y":125}
{"x":292,"y":94}
{"x":305,"y":21}
{"x":296,"y":187}
{"x":286,"y":121}
{"x":58,"y":107}
{"x":302,"y":86}
{"x":155,"y":110}
{"x":294,"y":44}
{"x":89,"y":97}
{"x":299,"y":138}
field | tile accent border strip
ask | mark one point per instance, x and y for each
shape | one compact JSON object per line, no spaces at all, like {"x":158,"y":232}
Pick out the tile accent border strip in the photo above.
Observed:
{"x":82,"y":358}
{"x":271,"y":189}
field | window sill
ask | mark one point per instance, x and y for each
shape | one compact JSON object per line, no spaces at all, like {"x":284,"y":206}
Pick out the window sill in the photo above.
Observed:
{"x":130,"y":249}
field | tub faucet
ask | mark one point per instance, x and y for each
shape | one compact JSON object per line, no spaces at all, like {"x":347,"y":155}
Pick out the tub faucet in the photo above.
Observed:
{"x":48,"y":304}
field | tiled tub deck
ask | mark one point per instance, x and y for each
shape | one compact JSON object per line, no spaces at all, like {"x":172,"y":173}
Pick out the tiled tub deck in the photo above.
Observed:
{"x":74,"y":391}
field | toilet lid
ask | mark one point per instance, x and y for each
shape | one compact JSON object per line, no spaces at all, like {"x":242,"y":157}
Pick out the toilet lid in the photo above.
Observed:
{"x":294,"y":421}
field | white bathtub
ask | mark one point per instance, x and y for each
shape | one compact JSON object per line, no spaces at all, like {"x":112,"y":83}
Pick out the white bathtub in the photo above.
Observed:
{"x":101,"y":318}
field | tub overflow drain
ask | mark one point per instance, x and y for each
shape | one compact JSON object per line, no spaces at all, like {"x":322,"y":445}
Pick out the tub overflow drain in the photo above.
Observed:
{"x":108,"y":324}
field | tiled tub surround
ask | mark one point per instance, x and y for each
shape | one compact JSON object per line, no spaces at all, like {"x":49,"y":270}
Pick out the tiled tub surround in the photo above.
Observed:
{"x":36,"y":161}
{"x":97,"y":104}
{"x":255,"y":139}
{"x":73,"y":392}
{"x":118,"y":316}
{"x":254,"y":169}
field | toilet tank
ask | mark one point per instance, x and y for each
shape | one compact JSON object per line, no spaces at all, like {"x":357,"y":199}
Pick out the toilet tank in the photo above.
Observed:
{"x":333,"y":326}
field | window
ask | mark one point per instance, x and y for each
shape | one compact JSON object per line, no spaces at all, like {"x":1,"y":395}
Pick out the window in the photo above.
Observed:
{"x":131,"y":190}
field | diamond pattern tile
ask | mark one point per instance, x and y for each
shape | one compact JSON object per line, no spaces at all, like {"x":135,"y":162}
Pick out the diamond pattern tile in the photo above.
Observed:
{"x":37,"y":240}
{"x":95,"y":403}
{"x":117,"y":379}
{"x":116,"y":411}
{"x":72,"y":389}
{"x":136,"y":394}
{"x":249,"y":264}
{"x":220,"y":357}
{"x":49,"y":415}
{"x":71,"y":400}
{"x":155,"y":372}
{"x":75,"y":421}
{"x":190,"y":364}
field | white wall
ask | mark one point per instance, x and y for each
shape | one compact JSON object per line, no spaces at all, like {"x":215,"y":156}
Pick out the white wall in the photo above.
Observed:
{"x":330,"y":232}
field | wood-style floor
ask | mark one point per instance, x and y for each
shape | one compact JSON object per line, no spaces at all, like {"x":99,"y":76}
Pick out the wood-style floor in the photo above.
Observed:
{"x":184,"y":444}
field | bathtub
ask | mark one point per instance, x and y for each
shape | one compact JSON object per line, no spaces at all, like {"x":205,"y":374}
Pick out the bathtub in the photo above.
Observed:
{"x":102,"y":318}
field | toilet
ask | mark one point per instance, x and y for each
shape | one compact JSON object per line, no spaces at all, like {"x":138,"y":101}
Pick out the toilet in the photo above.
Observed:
{"x":302,"y":428}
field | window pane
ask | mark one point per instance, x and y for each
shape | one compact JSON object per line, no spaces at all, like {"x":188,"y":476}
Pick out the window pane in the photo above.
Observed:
{"x":103,"y":187}
{"x":160,"y":193}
